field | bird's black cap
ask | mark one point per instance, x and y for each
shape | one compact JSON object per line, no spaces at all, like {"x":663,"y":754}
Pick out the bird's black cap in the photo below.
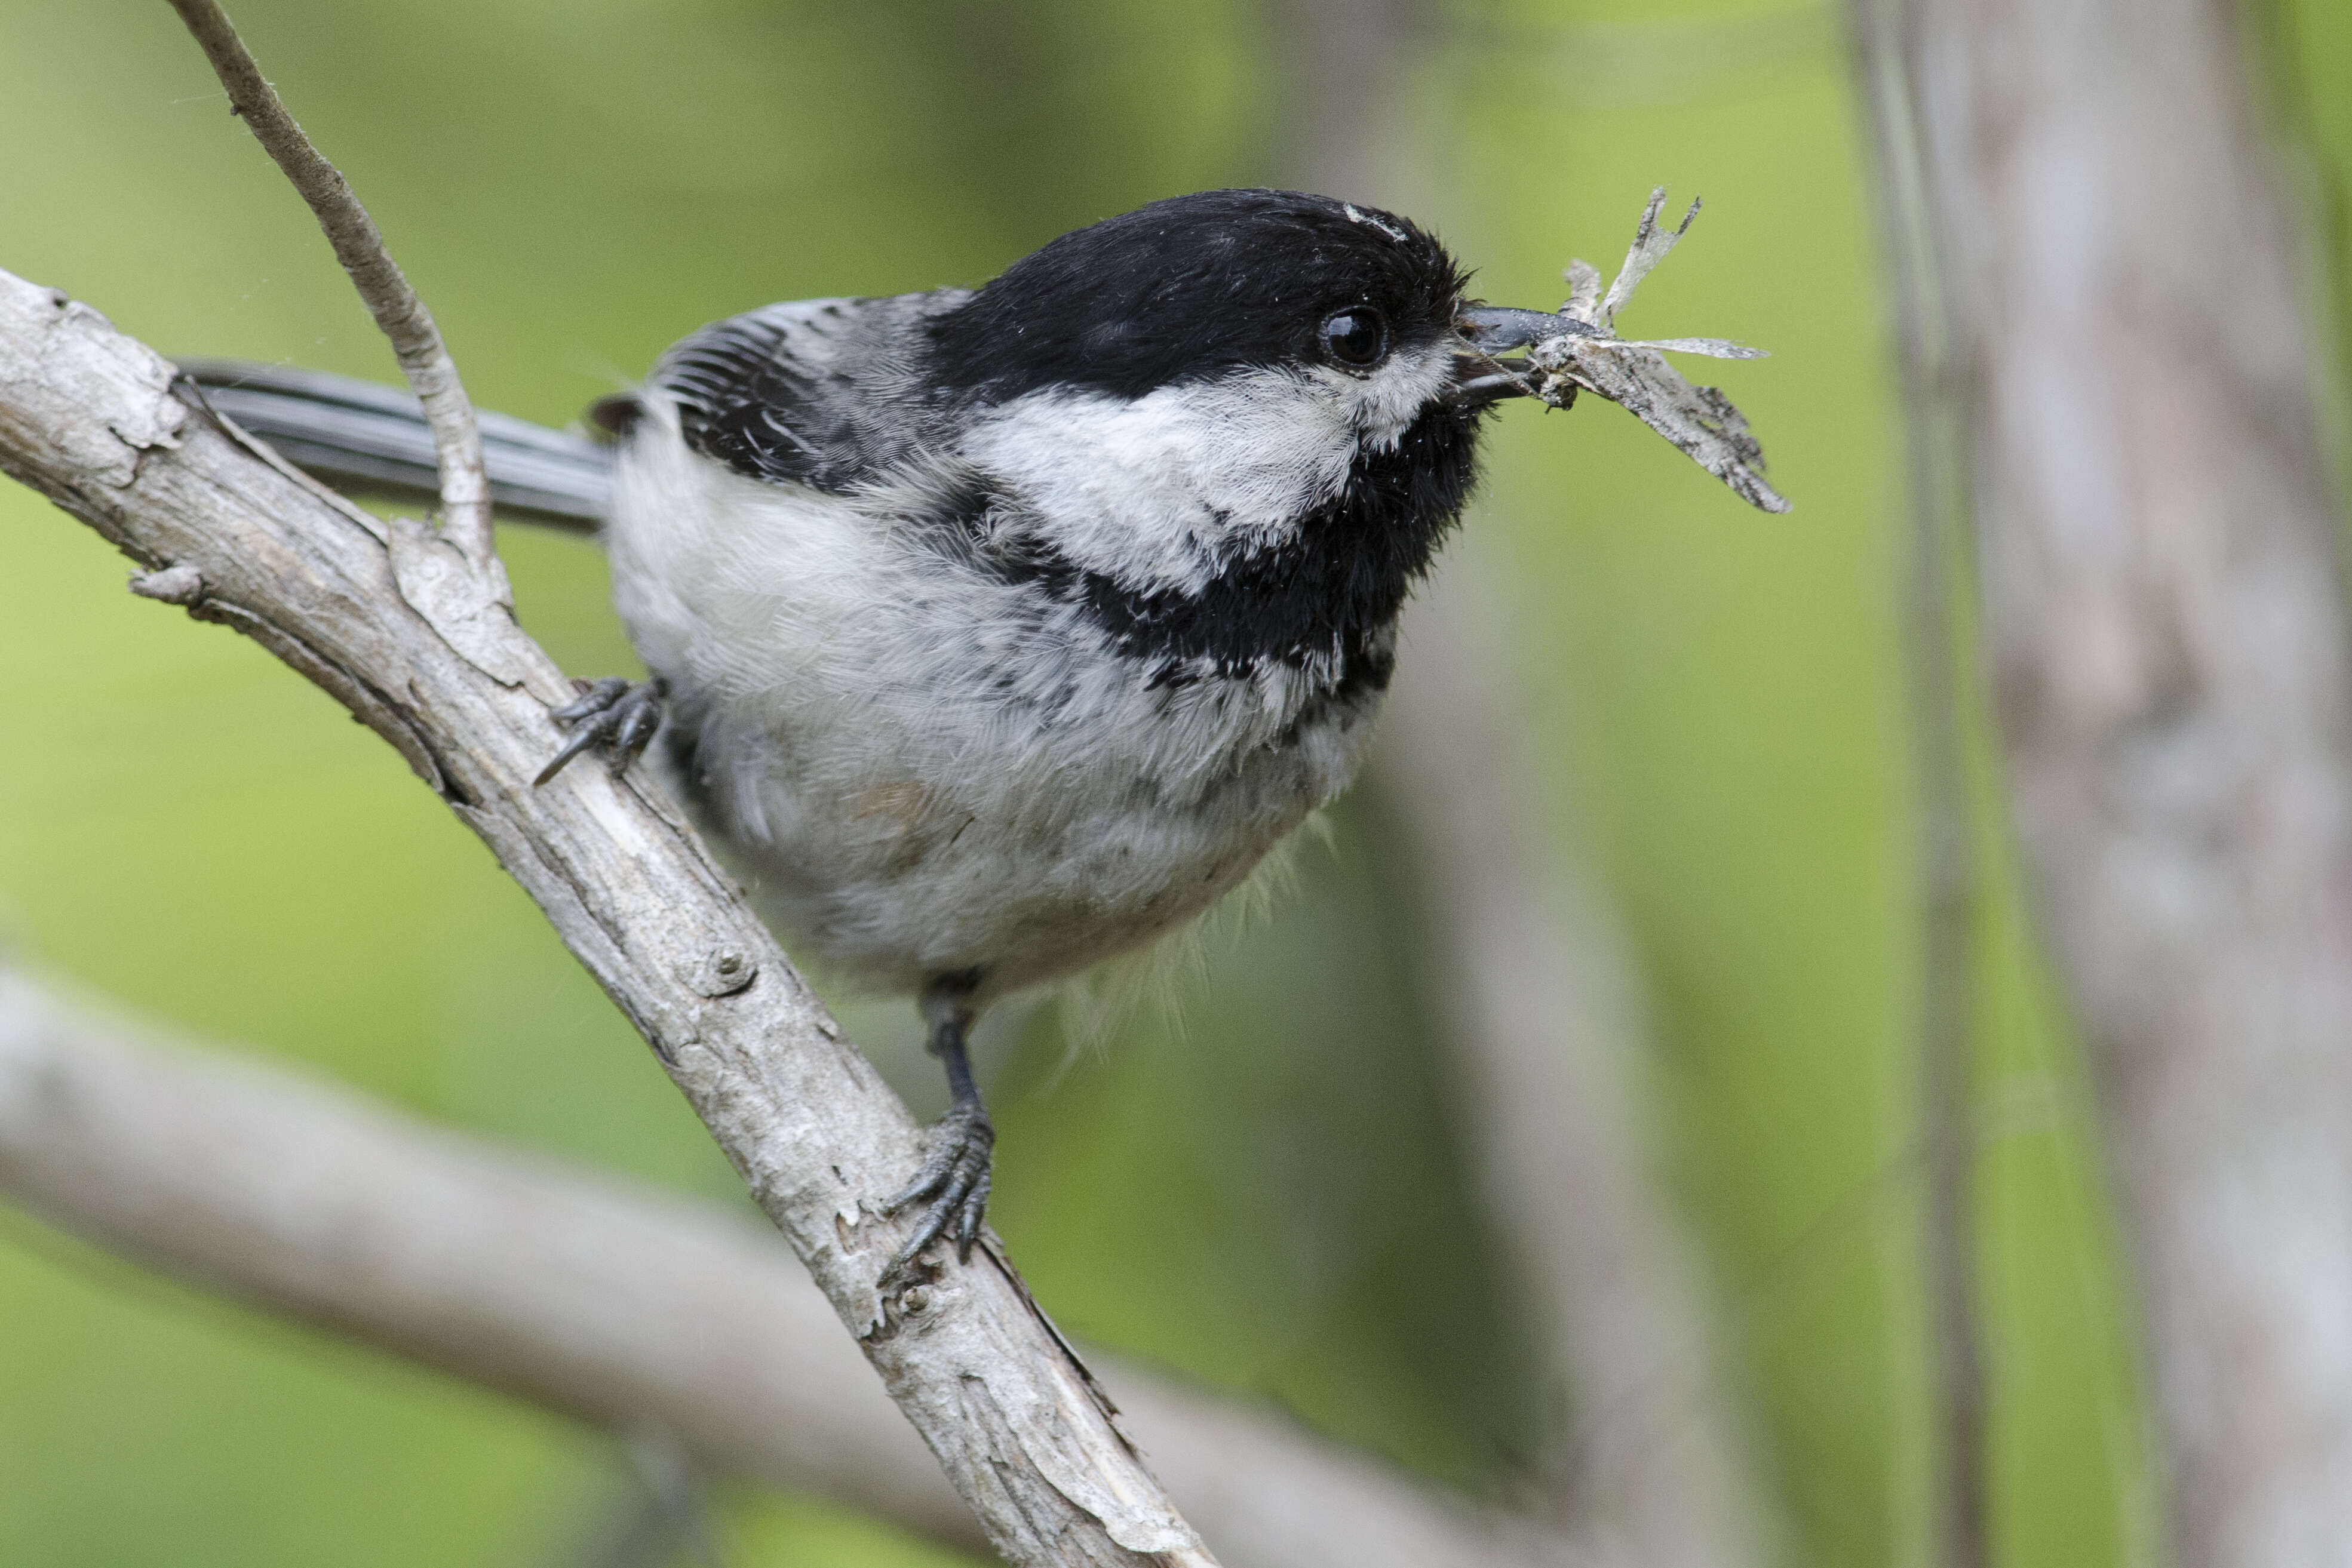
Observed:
{"x":1190,"y":287}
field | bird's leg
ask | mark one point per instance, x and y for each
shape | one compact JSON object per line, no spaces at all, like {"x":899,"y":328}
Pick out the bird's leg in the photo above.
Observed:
{"x":955,"y":1177}
{"x":616,"y":715}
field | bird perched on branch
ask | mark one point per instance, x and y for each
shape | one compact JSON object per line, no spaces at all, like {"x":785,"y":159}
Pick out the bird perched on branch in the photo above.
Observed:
{"x":996,"y":631}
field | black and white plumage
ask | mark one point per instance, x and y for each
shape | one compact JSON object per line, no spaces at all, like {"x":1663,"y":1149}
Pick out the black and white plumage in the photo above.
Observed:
{"x":999,"y":632}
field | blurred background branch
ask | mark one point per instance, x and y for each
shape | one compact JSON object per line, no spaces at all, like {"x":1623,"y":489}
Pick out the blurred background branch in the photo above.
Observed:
{"x":1536,"y":996}
{"x":2165,"y":626}
{"x":637,"y":1312}
{"x":1536,"y":1000}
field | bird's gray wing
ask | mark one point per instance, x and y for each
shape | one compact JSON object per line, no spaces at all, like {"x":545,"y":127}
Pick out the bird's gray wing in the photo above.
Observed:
{"x":809,"y":391}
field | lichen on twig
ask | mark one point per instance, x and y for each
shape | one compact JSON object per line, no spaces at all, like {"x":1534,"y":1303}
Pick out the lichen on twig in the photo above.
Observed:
{"x":1587,"y":354}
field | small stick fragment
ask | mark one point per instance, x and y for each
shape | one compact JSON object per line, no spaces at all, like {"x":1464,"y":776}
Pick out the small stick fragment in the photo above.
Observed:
{"x":1583,"y":293}
{"x":1634,"y":374}
{"x":1649,"y":246}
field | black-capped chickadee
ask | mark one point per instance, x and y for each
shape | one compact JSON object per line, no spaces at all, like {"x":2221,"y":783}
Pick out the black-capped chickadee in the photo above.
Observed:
{"x":997,"y":631}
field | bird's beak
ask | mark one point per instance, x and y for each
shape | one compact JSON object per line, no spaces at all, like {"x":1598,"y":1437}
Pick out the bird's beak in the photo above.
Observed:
{"x":1497,"y":328}
{"x":1484,"y":333}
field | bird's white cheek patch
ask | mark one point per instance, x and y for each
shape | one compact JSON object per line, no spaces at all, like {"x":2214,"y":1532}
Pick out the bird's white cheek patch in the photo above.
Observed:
{"x":1156,"y":492}
{"x":1161,"y":492}
{"x":1386,"y":402}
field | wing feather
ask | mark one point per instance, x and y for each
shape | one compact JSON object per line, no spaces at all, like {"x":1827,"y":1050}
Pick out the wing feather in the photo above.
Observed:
{"x":772,"y":394}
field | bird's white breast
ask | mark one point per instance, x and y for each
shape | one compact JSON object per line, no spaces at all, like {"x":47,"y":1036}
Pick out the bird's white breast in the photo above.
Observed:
{"x":923,"y":768}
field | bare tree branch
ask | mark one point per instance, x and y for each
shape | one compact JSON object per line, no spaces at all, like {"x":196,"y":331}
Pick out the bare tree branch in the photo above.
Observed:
{"x":424,"y":358}
{"x":625,"y":1308}
{"x":2166,"y":626}
{"x":88,"y":418}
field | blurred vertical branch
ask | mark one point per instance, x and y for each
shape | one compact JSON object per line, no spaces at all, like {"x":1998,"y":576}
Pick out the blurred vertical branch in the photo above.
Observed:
{"x":1534,"y":983}
{"x":1537,"y":990}
{"x":2135,"y":377}
{"x":1938,"y":554}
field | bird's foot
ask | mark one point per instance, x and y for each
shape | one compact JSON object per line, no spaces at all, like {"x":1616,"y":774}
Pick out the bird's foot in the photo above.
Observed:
{"x":955,"y":1178}
{"x":616,"y":715}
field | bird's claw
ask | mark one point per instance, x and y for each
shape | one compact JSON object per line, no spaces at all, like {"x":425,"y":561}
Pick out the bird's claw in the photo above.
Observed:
{"x":956,"y":1178}
{"x":616,"y":715}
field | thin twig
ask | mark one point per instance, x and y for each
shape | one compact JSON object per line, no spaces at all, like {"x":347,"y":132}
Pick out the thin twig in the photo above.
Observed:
{"x":88,"y":418}
{"x":670,"y":1320}
{"x":359,"y":246}
{"x":1949,"y":894}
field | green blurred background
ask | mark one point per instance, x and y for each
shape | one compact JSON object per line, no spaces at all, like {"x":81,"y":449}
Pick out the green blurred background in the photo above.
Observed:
{"x":1269,"y":1194}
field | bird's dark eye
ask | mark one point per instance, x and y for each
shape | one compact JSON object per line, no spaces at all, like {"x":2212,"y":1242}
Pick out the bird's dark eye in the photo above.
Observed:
{"x":1356,"y":336}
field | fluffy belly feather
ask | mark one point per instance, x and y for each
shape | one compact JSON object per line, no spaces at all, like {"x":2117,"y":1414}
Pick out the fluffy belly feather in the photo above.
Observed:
{"x":1017,"y":876}
{"x":921,"y":771}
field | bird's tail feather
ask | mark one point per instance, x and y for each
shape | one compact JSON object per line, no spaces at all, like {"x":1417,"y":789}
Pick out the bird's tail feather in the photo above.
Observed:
{"x":374,"y":439}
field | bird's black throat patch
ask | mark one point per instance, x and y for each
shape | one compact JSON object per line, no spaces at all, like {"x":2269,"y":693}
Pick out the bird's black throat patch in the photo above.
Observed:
{"x":1331,"y":592}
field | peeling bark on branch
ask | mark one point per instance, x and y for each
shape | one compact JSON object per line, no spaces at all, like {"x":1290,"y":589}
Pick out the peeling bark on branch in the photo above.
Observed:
{"x":90,"y":418}
{"x":625,"y":1308}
